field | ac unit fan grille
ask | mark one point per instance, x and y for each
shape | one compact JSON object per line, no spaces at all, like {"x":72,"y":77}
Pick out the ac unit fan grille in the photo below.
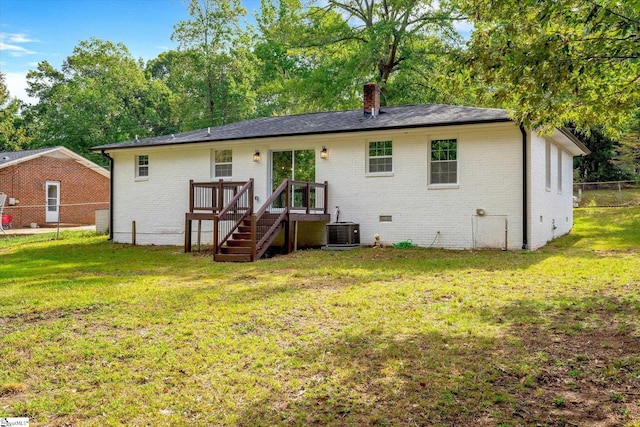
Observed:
{"x":343,"y":234}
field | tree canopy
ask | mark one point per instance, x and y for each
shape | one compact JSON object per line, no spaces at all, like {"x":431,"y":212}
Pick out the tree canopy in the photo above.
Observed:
{"x":214,"y":66}
{"x":551,"y":63}
{"x":13,"y":131}
{"x":100,"y":95}
{"x":558,"y":62}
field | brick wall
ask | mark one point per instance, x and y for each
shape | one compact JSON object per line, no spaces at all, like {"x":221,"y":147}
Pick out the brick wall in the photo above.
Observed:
{"x":489,"y":167}
{"x":79,"y":185}
{"x":490,"y":178}
{"x":550,"y":209}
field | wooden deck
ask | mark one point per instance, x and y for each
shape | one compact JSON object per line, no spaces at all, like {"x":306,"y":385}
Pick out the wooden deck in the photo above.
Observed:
{"x":239,"y":233}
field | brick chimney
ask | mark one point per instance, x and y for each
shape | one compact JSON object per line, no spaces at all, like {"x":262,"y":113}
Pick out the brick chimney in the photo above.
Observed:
{"x":371,"y":99}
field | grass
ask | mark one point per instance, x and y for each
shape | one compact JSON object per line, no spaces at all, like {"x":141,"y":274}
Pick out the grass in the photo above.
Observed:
{"x":95,"y":333}
{"x":629,"y":196}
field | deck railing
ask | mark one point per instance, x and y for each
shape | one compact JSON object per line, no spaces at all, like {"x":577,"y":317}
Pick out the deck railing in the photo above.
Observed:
{"x":267,"y":219}
{"x":212,"y":196}
{"x":226,"y":222}
{"x":206,"y":199}
{"x":231,"y":204}
{"x":290,"y":196}
{"x":308,"y":197}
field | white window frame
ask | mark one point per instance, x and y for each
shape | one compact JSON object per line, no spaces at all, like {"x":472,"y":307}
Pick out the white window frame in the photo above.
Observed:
{"x":559,"y":171}
{"x":547,"y":165}
{"x":142,"y":167}
{"x":431,"y":163}
{"x":216,"y":163}
{"x":377,"y":157}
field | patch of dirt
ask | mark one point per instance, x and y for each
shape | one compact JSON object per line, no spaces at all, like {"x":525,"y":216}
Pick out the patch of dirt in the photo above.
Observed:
{"x":587,"y":378}
{"x":613,"y":253}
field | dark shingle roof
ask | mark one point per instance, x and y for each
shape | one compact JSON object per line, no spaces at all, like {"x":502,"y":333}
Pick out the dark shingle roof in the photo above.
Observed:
{"x":10,"y":156}
{"x":408,"y":116}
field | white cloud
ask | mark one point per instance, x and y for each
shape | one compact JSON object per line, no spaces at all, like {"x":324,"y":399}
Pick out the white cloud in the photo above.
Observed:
{"x":10,"y":43}
{"x":20,"y":38}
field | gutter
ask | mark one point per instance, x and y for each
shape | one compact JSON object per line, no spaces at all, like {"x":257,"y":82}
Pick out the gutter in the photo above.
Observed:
{"x":566,"y":132}
{"x":104,"y":154}
{"x":525,"y":207}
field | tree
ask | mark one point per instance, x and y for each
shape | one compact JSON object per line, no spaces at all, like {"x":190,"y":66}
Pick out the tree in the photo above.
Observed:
{"x":599,"y":166}
{"x":13,"y":135}
{"x":99,"y":96}
{"x":627,"y":155}
{"x":214,"y":77}
{"x":390,"y":33}
{"x":555,"y":62}
{"x":322,"y":55}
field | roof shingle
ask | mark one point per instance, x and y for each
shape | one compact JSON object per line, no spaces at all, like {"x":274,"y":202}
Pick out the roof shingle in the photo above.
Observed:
{"x":10,"y":156}
{"x":408,"y":116}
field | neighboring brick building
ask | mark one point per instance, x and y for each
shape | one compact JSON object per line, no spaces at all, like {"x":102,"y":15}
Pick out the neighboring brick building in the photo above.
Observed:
{"x":51,"y":185}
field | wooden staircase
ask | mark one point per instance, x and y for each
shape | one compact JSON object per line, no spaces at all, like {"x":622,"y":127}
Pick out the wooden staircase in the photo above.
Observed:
{"x":239,"y":247}
{"x":243,"y":236}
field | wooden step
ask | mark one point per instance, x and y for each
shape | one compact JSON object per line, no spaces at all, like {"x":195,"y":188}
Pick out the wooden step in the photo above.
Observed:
{"x":242,"y":248}
{"x":232,"y":257}
{"x":243,"y":243}
{"x":241,"y":236}
{"x":239,"y":250}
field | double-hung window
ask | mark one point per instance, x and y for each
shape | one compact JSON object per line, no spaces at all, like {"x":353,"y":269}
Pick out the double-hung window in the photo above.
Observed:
{"x":142,"y":166}
{"x":443,"y":162}
{"x":222,"y":163}
{"x":380,"y":157}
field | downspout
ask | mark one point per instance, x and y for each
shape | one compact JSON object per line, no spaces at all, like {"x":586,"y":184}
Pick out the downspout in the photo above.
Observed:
{"x":525,"y":208}
{"x":110,"y":193}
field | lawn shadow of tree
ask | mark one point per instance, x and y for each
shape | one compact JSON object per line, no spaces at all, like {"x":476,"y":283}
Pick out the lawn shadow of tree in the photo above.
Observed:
{"x":558,"y":363}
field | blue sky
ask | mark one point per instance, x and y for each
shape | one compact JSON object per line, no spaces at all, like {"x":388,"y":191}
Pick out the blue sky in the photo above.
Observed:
{"x":32,"y":31}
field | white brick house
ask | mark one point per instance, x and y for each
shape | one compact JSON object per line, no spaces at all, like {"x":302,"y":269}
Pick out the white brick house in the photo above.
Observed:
{"x":441,"y":176}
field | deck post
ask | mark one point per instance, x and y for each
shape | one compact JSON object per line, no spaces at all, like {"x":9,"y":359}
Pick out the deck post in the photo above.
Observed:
{"x":220,"y":195}
{"x":187,"y":233}
{"x":254,"y":249}
{"x":287,"y":237}
{"x":252,"y":217}
{"x":307,"y":194}
{"x":215,"y":237}
{"x":326,"y":197}
{"x":190,"y":195}
{"x":251,"y":197}
{"x":288,"y":197}
{"x":199,"y":233}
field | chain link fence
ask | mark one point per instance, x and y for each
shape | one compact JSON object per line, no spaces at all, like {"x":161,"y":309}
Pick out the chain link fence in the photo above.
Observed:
{"x":606,"y":194}
{"x":43,"y":215}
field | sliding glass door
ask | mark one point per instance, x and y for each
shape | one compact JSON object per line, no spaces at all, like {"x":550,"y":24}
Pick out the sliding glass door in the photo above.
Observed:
{"x":299,"y":165}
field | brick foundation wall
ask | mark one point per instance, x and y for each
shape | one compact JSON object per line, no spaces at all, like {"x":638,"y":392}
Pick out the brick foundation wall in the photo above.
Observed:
{"x":79,"y":185}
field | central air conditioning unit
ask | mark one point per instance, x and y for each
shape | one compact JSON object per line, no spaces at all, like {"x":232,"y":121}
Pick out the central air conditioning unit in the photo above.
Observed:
{"x":343,"y":235}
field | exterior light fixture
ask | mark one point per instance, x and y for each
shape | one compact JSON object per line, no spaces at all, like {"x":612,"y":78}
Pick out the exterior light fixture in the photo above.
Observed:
{"x":324,"y":154}
{"x":256,"y":156}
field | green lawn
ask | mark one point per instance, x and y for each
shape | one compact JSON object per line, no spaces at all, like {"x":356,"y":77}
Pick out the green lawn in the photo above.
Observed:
{"x":95,"y":333}
{"x":629,"y":196}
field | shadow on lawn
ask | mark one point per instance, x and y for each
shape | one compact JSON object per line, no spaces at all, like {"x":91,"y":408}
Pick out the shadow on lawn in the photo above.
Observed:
{"x":557,"y":364}
{"x":83,"y":256}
